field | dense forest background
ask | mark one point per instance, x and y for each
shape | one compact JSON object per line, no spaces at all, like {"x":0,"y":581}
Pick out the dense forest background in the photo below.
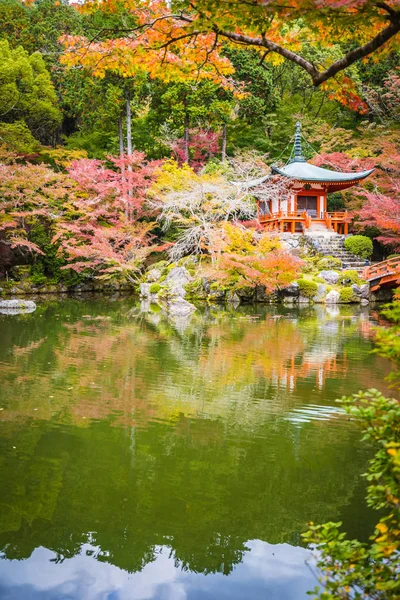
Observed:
{"x":60,"y":117}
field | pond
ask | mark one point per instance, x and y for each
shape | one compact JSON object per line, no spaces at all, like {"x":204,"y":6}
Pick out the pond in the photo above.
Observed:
{"x":146,"y":458}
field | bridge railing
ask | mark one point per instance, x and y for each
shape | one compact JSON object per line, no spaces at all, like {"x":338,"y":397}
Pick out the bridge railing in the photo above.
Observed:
{"x":386,"y":267}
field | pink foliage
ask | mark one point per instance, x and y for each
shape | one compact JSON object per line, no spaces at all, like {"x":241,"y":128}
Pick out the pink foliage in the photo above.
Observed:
{"x":203,"y":145}
{"x":107,"y":238}
{"x":383,"y":212}
{"x":379,"y":195}
{"x":122,"y":187}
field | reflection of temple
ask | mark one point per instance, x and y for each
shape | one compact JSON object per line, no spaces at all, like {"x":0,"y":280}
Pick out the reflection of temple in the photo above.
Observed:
{"x":318,"y":365}
{"x":305,"y":207}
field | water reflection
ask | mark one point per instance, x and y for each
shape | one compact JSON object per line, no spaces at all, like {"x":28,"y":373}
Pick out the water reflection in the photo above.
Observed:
{"x":132,"y":444}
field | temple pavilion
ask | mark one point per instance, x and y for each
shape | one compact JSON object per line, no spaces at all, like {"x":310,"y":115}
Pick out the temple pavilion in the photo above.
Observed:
{"x":304,"y":207}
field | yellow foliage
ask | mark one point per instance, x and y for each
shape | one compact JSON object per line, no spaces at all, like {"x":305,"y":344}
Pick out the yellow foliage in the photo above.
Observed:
{"x":170,"y":176}
{"x":268,"y":243}
{"x":238,"y":240}
{"x":382,"y":527}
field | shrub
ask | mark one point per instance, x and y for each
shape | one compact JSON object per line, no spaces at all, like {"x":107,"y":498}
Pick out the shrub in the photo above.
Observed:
{"x":393,"y":256}
{"x":155,"y":288}
{"x":360,"y":245}
{"x":350,"y":276}
{"x":347,"y":295}
{"x":161,"y":264}
{"x":307,"y":288}
{"x":38,"y":279}
{"x":329,"y":262}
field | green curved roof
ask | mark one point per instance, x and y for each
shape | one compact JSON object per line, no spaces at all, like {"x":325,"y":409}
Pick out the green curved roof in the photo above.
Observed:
{"x":304,"y":171}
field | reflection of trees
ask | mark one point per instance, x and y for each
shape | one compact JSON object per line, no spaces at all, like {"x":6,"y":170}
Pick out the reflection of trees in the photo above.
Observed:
{"x":89,"y":366}
{"x":173,"y":439}
{"x":202,"y":499}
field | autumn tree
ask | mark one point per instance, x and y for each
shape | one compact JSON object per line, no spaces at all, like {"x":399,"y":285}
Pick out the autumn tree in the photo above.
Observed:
{"x":375,"y":203}
{"x":32,"y":198}
{"x":193,"y":206}
{"x":248,"y":258}
{"x":174,"y":41}
{"x":103,"y":235}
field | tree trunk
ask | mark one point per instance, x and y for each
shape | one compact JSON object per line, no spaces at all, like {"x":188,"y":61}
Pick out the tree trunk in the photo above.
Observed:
{"x":129,"y":152}
{"x":121,"y":155}
{"x":121,"y":137}
{"x":223,"y":149}
{"x":186,"y":138}
{"x":128,"y":124}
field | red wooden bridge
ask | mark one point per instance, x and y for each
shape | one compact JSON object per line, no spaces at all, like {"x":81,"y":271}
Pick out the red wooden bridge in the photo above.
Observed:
{"x":383,"y":274}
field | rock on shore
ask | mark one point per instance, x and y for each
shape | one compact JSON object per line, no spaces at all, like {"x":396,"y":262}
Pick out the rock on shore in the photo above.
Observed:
{"x":15,"y":307}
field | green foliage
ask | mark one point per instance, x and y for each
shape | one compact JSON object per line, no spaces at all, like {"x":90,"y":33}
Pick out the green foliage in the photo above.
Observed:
{"x":307,"y":288}
{"x":350,"y":568}
{"x":17,"y":137}
{"x":360,"y":245}
{"x":27,"y":92}
{"x":49,"y":265}
{"x":335,"y":202}
{"x":347,"y":295}
{"x":38,"y":279}
{"x":350,"y":276}
{"x":329,"y":262}
{"x":155,"y":288}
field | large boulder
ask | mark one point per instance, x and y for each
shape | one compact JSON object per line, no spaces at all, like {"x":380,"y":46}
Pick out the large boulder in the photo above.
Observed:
{"x":145,"y":290}
{"x":292,"y":290}
{"x":216,"y":295}
{"x":246,"y":294}
{"x":261,"y":294}
{"x":361,"y":291}
{"x":303,"y":300}
{"x":176,"y":280}
{"x":330,"y":276}
{"x":82,"y":288}
{"x":321,"y":293}
{"x":232,"y":298}
{"x":15,"y":307}
{"x":153,"y":275}
{"x":332,"y":297}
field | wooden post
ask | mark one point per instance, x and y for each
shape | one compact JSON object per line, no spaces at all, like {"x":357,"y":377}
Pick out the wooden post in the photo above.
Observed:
{"x":346,"y":229}
{"x":293,"y":226}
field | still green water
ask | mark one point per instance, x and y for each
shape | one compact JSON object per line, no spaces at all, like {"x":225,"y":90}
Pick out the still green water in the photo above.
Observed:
{"x":144,"y":458}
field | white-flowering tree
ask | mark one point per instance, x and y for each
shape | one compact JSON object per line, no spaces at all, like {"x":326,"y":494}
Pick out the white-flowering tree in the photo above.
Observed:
{"x":196,"y":206}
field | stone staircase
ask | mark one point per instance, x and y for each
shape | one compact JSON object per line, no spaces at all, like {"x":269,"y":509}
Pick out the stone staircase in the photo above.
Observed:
{"x":332,"y":244}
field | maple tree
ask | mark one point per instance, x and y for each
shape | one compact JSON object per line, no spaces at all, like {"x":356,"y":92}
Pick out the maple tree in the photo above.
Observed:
{"x":197,"y":149}
{"x":376,"y":202}
{"x":105,"y":236}
{"x":184,"y":40}
{"x":30,"y":194}
{"x":248,"y":258}
{"x":121,"y":187}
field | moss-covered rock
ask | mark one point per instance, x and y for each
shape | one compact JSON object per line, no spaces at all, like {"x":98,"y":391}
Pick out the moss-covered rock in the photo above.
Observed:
{"x":347,"y":295}
{"x":349,"y":276}
{"x":307,"y":288}
{"x":329,"y":262}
